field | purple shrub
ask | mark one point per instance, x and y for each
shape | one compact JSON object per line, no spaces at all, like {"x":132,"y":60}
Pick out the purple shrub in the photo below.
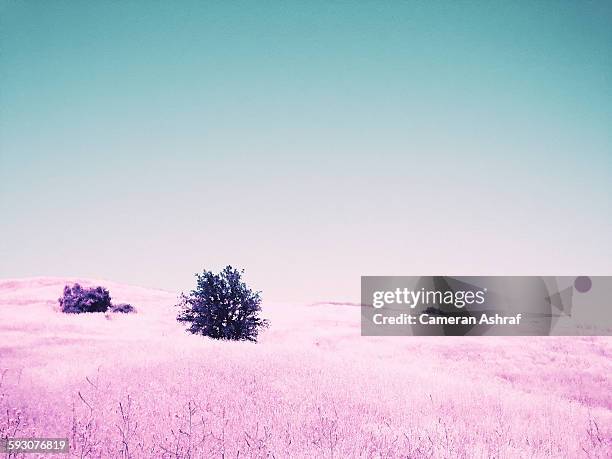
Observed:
{"x":77,"y":299}
{"x":123,"y":308}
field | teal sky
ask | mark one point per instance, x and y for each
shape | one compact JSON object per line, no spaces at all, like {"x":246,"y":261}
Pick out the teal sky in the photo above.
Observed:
{"x":308,"y":142}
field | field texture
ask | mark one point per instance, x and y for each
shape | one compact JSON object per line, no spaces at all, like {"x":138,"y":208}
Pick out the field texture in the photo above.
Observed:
{"x":139,"y":386}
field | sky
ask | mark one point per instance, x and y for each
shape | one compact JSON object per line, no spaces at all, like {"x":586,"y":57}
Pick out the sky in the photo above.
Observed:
{"x":309,"y":143}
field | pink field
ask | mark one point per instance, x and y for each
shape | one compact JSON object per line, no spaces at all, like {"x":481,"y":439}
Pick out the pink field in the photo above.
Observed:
{"x":139,"y":386}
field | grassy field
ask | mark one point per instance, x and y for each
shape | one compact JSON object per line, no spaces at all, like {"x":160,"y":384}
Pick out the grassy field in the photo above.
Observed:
{"x":139,"y":386}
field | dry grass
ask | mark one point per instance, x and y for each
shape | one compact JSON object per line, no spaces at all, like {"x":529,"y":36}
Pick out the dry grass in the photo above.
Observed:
{"x":138,"y":386}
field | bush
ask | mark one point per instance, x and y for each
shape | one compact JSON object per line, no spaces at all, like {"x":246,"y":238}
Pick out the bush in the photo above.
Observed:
{"x":77,"y":299}
{"x":222,"y":307}
{"x":123,"y":308}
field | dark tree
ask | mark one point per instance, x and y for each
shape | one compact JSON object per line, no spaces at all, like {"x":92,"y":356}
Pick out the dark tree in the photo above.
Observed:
{"x":77,"y":299}
{"x":222,"y":307}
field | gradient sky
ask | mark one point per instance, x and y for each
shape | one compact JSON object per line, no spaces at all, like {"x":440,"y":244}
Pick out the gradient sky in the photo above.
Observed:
{"x":308,"y":142}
